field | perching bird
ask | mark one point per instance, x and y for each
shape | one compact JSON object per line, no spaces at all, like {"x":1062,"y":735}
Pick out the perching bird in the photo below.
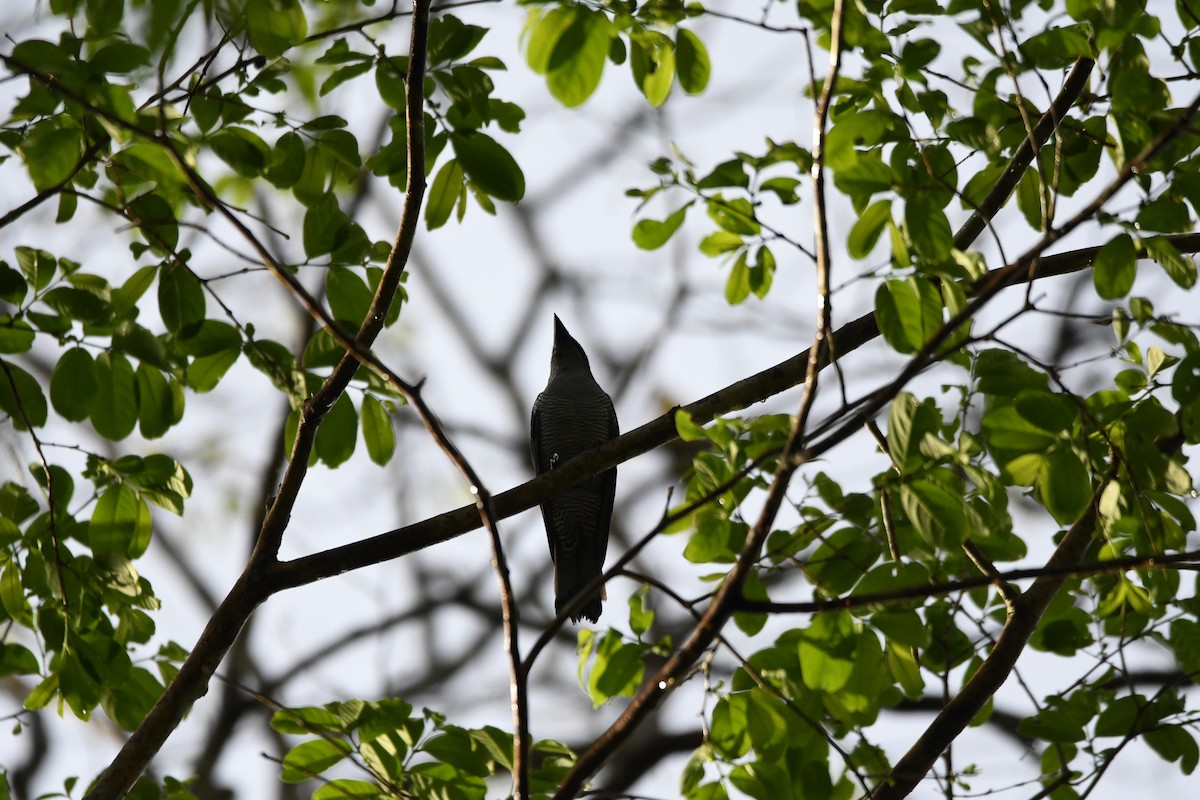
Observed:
{"x":571,"y":416}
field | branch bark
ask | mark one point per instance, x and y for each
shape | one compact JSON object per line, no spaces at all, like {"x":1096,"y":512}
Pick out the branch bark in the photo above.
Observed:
{"x":1023,"y":617}
{"x":742,"y":394}
{"x":222,"y":630}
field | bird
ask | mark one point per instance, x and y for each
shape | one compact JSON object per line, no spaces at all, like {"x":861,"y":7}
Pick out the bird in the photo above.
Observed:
{"x":571,"y":416}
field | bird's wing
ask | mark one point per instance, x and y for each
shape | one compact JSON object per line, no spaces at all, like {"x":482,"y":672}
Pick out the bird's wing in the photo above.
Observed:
{"x":609,"y":495}
{"x":535,"y":435}
{"x":539,"y":465}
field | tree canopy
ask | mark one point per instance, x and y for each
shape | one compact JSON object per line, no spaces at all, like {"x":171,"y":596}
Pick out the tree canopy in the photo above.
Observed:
{"x":954,"y":256}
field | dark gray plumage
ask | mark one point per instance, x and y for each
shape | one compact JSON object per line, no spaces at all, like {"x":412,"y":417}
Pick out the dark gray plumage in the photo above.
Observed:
{"x":571,"y":416}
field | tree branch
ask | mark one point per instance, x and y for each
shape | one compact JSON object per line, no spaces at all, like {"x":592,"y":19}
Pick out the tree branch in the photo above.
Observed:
{"x":1023,"y":617}
{"x":222,"y":630}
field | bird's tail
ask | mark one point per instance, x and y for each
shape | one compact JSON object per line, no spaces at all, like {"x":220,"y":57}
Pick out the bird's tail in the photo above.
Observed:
{"x":566,"y":587}
{"x":590,"y":609}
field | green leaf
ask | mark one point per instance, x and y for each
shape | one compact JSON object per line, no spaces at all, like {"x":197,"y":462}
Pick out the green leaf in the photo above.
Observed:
{"x":241,"y":149}
{"x":43,"y":693}
{"x":73,"y":385}
{"x":180,"y":299}
{"x":838,"y":562}
{"x":103,"y":16}
{"x":210,"y":336}
{"x":16,"y":659}
{"x":378,"y":435}
{"x":279,"y":365}
{"x":1049,"y":412}
{"x":161,"y":480}
{"x":1053,"y":725}
{"x":729,"y":731}
{"x":641,"y":617}
{"x":693,"y":773}
{"x":753,"y":589}
{"x":16,"y":504}
{"x":1115,"y":267}
{"x":737,"y":286}
{"x":928,"y":229}
{"x":903,"y":626}
{"x":1058,"y":48}
{"x":445,"y":191}
{"x":937,"y":513}
{"x":132,"y":339}
{"x":617,"y":669}
{"x":157,"y":222}
{"x":12,"y":285}
{"x":77,"y":304}
{"x":12,"y":595}
{"x":21,"y":397}
{"x":1174,"y":743}
{"x":688,"y":430}
{"x":569,"y":45}
{"x":716,"y":538}
{"x":727,"y":173}
{"x":16,"y":335}
{"x":1181,"y":269}
{"x":326,"y":226}
{"x":275,"y":25}
{"x":720,"y":242}
{"x":38,"y":266}
{"x":652,"y":60}
{"x":348,"y":789}
{"x":338,"y":433}
{"x":309,"y":759}
{"x":342,"y":145}
{"x":51,"y":152}
{"x":120,"y":524}
{"x":735,"y":216}
{"x":691,"y":62}
{"x":308,"y":719}
{"x":1006,"y":429}
{"x":114,"y":408}
{"x":1001,"y":373}
{"x":1064,"y":485}
{"x":451,"y":40}
{"x":827,"y":652}
{"x":127,"y":701}
{"x":348,"y":295}
{"x":782,"y":187}
{"x":455,"y":747}
{"x":1185,"y":642}
{"x":1166,"y":213}
{"x":650,"y":234}
{"x":125,"y":298}
{"x":160,"y":402}
{"x":205,"y":372}
{"x":864,"y":235}
{"x":762,"y":271}
{"x":120,"y":58}
{"x":489,"y":165}
{"x":343,"y":74}
{"x":909,"y":312}
{"x":285,"y":167}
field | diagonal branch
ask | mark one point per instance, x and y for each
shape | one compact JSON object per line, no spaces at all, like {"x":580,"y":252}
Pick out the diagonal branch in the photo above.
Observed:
{"x":192,"y":680}
{"x":982,"y":216}
{"x":736,"y":396}
{"x":708,"y":628}
{"x":1023,"y":617}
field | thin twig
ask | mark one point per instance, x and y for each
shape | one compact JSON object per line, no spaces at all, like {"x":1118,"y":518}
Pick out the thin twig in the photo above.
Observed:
{"x":191,"y":682}
{"x":714,"y":618}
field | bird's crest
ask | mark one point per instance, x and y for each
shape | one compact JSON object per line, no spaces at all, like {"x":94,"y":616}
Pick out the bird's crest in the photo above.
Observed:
{"x":567,"y":353}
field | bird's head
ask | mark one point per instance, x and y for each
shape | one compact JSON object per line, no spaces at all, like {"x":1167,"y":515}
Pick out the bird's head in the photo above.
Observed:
{"x":567,"y":353}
